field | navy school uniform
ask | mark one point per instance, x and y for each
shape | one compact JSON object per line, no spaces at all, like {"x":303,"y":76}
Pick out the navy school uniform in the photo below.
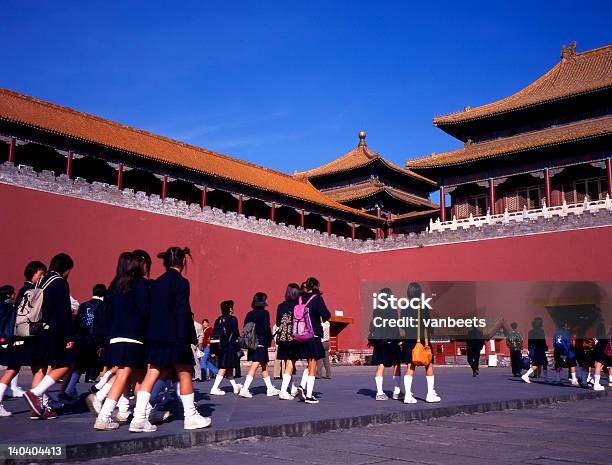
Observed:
{"x":19,"y":352}
{"x":170,"y":330}
{"x":49,"y":347}
{"x":261,"y":318}
{"x":384,"y":340}
{"x":227,"y":353}
{"x":536,"y":343}
{"x":313,"y":348}
{"x":129,"y":313}
{"x":286,"y":350}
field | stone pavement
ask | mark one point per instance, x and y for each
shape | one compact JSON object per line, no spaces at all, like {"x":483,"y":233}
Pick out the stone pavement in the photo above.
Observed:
{"x":347,"y":401}
{"x":573,"y":433}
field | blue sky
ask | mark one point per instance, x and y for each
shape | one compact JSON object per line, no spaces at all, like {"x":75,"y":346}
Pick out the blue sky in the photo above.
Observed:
{"x":289,"y":84}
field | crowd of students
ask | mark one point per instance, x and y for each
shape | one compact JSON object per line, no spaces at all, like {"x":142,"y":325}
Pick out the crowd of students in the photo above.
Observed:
{"x":139,"y":338}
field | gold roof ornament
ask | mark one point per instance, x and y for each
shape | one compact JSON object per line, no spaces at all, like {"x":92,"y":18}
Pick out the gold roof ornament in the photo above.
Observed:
{"x":362,"y":137}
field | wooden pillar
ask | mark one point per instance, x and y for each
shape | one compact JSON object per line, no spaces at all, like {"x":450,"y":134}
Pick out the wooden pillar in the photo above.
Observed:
{"x":442,"y":205}
{"x":69,"y":158}
{"x":609,"y":172}
{"x":378,"y":230}
{"x":302,"y":218}
{"x":328,"y":225}
{"x":273,"y":212}
{"x":164,"y":192}
{"x":547,"y":187}
{"x":491,"y":196}
{"x":204,"y":192}
{"x":12,"y":145}
{"x":353,"y":231}
{"x":240,"y":204}
{"x":120,"y":176}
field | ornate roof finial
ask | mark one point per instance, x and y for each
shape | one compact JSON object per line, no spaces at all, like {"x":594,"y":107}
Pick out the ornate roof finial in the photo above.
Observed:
{"x":568,"y":54}
{"x":362,"y":142}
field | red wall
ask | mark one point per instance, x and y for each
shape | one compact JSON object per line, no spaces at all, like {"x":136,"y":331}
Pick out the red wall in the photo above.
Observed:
{"x":230,"y":264}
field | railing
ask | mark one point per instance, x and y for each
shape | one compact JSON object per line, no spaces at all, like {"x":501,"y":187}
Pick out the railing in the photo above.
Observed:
{"x":525,"y":215}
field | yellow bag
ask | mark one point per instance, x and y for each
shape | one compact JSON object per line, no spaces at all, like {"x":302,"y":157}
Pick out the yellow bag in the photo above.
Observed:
{"x":421,"y":354}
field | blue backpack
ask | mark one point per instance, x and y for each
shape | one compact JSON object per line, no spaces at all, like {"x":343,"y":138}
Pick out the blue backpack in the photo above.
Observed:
{"x":7,"y":321}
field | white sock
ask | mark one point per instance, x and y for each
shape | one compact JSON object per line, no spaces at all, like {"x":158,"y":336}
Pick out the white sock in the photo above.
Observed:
{"x":142,"y":401}
{"x":526,"y":375}
{"x":217,"y":382}
{"x":397,"y":382}
{"x":430,"y":384}
{"x":104,"y":379}
{"x":268,"y":382}
{"x":232,"y":381}
{"x":304,"y":376}
{"x":596,"y":379}
{"x":573,"y":375}
{"x":408,"y":385}
{"x":310,"y":380}
{"x":42,"y":387}
{"x":3,"y":388}
{"x":247,"y":382}
{"x":102,"y":393}
{"x":284,"y":385}
{"x":189,"y":408}
{"x":379,"y":384}
{"x":15,"y":383}
{"x":123,"y":404}
{"x":107,"y":409}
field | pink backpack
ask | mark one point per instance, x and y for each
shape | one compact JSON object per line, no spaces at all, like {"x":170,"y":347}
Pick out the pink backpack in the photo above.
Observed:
{"x":302,"y":326}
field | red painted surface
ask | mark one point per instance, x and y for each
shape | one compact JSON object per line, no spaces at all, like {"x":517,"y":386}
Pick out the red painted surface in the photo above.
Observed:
{"x":492,"y":196}
{"x":231,"y":264}
{"x":442,"y":205}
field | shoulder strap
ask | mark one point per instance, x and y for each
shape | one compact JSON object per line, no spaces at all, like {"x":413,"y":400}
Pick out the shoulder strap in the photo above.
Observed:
{"x":49,"y":281}
{"x":311,"y":297}
{"x":419,"y":324}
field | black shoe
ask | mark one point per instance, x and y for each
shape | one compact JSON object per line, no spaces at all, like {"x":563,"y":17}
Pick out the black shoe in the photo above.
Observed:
{"x":93,"y":389}
{"x":311,"y":400}
{"x":301,"y":393}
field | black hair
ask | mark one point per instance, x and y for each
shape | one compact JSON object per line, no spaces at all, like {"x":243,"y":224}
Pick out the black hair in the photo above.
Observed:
{"x":259,"y":300}
{"x":175,"y":257}
{"x":61,"y":263}
{"x":414,"y":290}
{"x":99,"y":290}
{"x":6,"y":292}
{"x":205,"y":320}
{"x":312,"y":285}
{"x":292,"y":292}
{"x":128,"y":271}
{"x":226,"y":307}
{"x":32,"y":268}
{"x":145,"y":260}
{"x":513,"y":325}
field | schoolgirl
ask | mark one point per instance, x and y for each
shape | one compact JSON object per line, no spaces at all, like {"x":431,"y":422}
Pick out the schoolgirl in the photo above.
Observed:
{"x":169,"y":335}
{"x":384,"y":342}
{"x":260,"y":317}
{"x":565,"y":353}
{"x":287,"y":351}
{"x":312,"y":349}
{"x":7,"y":311}
{"x":224,"y":345}
{"x":603,"y":358}
{"x":585,"y":359}
{"x":14,"y":353}
{"x":411,"y":336}
{"x":536,"y":344}
{"x":128,"y":300}
{"x":52,"y":351}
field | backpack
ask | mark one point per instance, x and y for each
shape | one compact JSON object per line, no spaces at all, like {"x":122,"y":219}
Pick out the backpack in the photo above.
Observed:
{"x":587,"y":345}
{"x":560,"y":343}
{"x":86,"y":318}
{"x":248,"y":340}
{"x":515,"y":340}
{"x":219,"y":337}
{"x":301,"y":330}
{"x":28,"y":320}
{"x":7,"y":321}
{"x":285,"y":328}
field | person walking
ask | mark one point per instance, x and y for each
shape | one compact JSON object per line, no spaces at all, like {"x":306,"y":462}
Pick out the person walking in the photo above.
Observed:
{"x":287,"y":350}
{"x":514,"y":340}
{"x":536,"y":343}
{"x":224,"y":344}
{"x":475,"y":342}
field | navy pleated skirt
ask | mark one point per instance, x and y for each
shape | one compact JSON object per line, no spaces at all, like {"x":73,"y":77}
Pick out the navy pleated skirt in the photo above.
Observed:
{"x":168,"y":354}
{"x":125,"y":354}
{"x":312,"y":349}
{"x":386,"y":353}
{"x":288,"y":351}
{"x":258,"y":355}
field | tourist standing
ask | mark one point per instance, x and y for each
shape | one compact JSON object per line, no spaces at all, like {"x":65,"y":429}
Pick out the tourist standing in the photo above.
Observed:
{"x":324,"y":362}
{"x":206,"y":364}
{"x":197,"y":349}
